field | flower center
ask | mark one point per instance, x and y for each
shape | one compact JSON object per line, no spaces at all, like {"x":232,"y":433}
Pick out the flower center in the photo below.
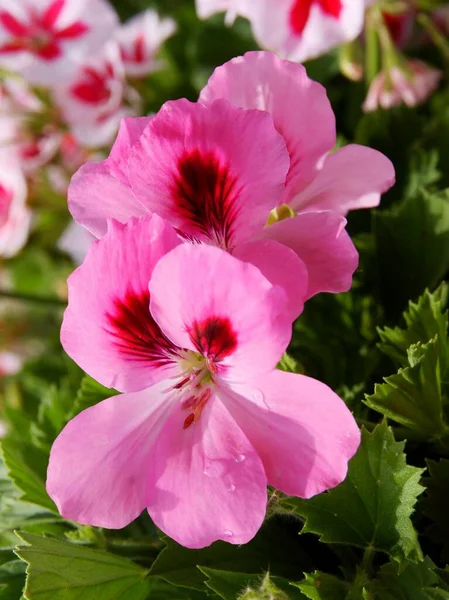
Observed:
{"x":284,"y":211}
{"x":194,"y":384}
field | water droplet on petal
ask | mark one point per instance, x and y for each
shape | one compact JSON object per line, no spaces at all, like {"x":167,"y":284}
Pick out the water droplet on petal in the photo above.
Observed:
{"x":240,"y":458}
{"x":228,"y":533}
{"x":231,"y":487}
{"x":259,"y":397}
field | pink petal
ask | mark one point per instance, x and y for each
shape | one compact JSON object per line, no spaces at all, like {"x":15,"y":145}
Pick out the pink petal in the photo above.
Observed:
{"x":303,"y":432}
{"x":194,"y":287}
{"x":352,"y":177}
{"x":108,"y":329}
{"x":301,"y":111}
{"x":95,"y":195}
{"x":98,"y":470}
{"x":99,"y":191}
{"x":322,"y":243}
{"x":131,"y":129}
{"x":281,"y":266}
{"x":213,"y":172}
{"x":207,"y":481}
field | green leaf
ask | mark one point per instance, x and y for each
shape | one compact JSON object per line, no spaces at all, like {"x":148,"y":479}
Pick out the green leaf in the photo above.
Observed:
{"x":244,"y":586}
{"x":12,"y":580}
{"x":27,"y":467}
{"x":62,"y":571}
{"x":90,"y":393}
{"x":372,"y":507}
{"x":413,"y":397}
{"x":276,"y":547}
{"x":435,"y":503}
{"x":289,"y":364}
{"x":411,"y":582}
{"x":412,"y":241}
{"x":320,"y":586}
{"x":424,"y":320}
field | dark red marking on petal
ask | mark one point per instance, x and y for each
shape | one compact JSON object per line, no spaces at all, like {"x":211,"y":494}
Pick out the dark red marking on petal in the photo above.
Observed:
{"x":73,"y":31}
{"x":15,"y":46}
{"x":205,"y":193}
{"x":93,"y":88}
{"x":139,"y":49}
{"x":188,"y":421}
{"x":50,"y":51}
{"x":136,"y":334}
{"x":5,"y":203}
{"x":300,"y":12}
{"x":50,"y":16}
{"x":13,"y":25}
{"x":214,"y":337}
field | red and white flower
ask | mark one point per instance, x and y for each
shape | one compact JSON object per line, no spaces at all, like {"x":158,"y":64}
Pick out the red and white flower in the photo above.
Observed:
{"x":15,"y":217}
{"x":45,"y":39}
{"x":140,"y":39}
{"x":295,"y":29}
{"x":92,"y":102}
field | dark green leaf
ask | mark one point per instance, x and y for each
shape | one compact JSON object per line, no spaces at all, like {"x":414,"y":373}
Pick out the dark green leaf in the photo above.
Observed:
{"x":231,"y":585}
{"x":413,"y":397}
{"x":372,"y":507}
{"x":424,"y":319}
{"x":27,"y":466}
{"x":62,"y":571}
{"x":90,"y":393}
{"x":12,"y":580}
{"x":320,"y":586}
{"x":411,"y":582}
{"x":276,"y":547}
{"x":412,"y":242}
{"x":436,"y":502}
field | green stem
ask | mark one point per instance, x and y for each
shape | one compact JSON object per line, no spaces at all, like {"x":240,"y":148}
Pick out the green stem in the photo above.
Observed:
{"x":437,"y":37}
{"x":32,"y":298}
{"x":367,"y":562}
{"x":371,"y":53}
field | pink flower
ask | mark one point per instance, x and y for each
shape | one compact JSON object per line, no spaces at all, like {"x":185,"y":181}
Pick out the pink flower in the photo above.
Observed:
{"x":44,"y":40}
{"x":237,"y":182}
{"x":192,"y":335}
{"x":15,"y":217}
{"x":140,"y":39}
{"x":295,"y":29}
{"x":410,"y":85}
{"x":92,"y":102}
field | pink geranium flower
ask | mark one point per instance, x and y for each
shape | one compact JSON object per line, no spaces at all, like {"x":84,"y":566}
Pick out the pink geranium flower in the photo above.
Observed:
{"x":140,"y":39}
{"x":295,"y":29}
{"x":410,"y":84}
{"x":92,"y":102}
{"x":15,"y":217}
{"x":44,"y":40}
{"x":199,"y":168}
{"x":192,"y":335}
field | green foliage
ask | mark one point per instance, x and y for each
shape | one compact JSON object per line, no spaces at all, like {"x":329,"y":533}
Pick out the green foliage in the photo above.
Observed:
{"x":411,"y":582}
{"x":371,"y":509}
{"x":62,"y":571}
{"x":89,"y":393}
{"x":177,"y":565}
{"x":409,"y":263}
{"x":415,"y":397}
{"x":435,"y":503}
